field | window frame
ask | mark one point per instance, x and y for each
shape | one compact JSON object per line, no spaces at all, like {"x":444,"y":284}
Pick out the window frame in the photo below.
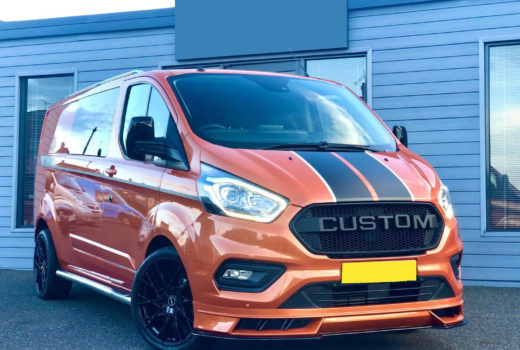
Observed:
{"x":18,"y":128}
{"x":485,"y":43}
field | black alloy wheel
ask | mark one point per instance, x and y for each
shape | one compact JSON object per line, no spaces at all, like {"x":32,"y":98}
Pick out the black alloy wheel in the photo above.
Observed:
{"x":41,"y":265}
{"x":45,"y":265}
{"x":162,"y":304}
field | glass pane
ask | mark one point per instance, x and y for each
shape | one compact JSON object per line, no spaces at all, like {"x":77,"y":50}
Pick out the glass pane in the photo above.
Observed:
{"x":36,"y":95}
{"x":504,"y":143}
{"x":349,"y":71}
{"x":264,"y":111}
{"x":160,"y":113}
{"x":136,"y":106}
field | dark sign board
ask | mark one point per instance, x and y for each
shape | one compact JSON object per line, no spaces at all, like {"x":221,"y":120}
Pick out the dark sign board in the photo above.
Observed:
{"x":223,"y":28}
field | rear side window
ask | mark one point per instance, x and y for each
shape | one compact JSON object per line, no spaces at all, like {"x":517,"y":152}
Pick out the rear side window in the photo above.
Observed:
{"x":145,"y":101}
{"x":84,"y":126}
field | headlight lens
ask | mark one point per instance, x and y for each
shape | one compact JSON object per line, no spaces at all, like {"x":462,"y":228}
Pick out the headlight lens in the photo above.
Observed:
{"x":225,"y":194}
{"x":445,"y":200}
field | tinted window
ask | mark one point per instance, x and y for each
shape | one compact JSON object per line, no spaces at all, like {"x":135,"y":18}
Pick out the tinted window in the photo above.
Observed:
{"x":259,"y":111}
{"x":503,"y":180}
{"x":160,"y":113}
{"x":85,"y":125}
{"x":36,"y":95}
{"x":136,"y":106}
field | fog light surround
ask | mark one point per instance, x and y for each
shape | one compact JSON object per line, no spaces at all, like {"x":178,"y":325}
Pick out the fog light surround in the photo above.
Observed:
{"x":455,"y":263}
{"x":247,"y":276}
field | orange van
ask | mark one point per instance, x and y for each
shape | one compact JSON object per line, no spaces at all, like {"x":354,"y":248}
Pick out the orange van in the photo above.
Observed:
{"x":242,"y":204}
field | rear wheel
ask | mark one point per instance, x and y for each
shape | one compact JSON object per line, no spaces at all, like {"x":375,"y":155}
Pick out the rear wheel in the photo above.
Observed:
{"x":162,"y":304}
{"x":48,"y":285}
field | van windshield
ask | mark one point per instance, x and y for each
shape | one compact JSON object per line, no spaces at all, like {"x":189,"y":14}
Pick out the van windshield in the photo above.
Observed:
{"x":277,"y":112}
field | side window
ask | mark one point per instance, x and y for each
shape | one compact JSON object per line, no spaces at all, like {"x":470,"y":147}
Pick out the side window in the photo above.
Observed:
{"x":85,"y":125}
{"x":146,"y":107}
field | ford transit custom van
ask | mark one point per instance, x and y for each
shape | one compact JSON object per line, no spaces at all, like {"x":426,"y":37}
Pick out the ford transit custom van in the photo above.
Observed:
{"x":242,"y":204}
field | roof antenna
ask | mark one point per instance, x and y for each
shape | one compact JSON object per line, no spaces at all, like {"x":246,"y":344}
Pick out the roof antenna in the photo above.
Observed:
{"x":300,"y":65}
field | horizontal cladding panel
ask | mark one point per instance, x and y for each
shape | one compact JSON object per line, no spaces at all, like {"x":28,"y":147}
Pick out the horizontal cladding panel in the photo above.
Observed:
{"x":464,"y":185}
{"x":92,"y":65}
{"x":493,"y":248}
{"x":101,"y":27}
{"x":6,"y":150}
{"x":16,"y":263}
{"x":87,"y":56}
{"x":5,"y":211}
{"x":159,"y":37}
{"x":416,"y":137}
{"x":425,"y":64}
{"x":429,"y":76}
{"x":5,"y":190}
{"x":460,"y":173}
{"x":441,"y":26}
{"x":6,"y":131}
{"x":423,"y":7}
{"x":468,"y":223}
{"x":482,"y":283}
{"x":16,"y":242}
{"x":426,"y":101}
{"x":6,"y":140}
{"x":7,"y":119}
{"x":432,"y":113}
{"x":445,"y":161}
{"x":16,"y":253}
{"x":508,"y":261}
{"x":437,"y":124}
{"x":451,"y":87}
{"x":425,"y":52}
{"x":35,"y":42}
{"x":475,"y":236}
{"x":466,"y":198}
{"x":492,"y":274}
{"x":466,"y":209}
{"x":460,"y":148}
{"x":445,"y":13}
{"x":429,"y":40}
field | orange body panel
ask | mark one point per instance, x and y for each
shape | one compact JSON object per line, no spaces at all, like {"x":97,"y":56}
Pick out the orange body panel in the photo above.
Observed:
{"x":107,"y":241}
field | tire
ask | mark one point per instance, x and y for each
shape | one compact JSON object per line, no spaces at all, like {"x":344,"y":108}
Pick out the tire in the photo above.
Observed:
{"x":45,"y":264}
{"x":162,"y":303}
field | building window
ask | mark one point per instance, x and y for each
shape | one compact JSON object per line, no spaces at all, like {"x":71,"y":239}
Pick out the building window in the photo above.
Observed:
{"x":36,"y":95}
{"x":349,"y":71}
{"x":503,"y":141}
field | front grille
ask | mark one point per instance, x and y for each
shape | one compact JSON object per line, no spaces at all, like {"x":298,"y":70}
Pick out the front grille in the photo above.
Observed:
{"x":335,"y":294}
{"x":387,"y":237}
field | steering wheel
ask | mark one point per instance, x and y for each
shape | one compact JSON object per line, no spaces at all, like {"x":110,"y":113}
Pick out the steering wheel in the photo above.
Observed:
{"x":212,"y":126}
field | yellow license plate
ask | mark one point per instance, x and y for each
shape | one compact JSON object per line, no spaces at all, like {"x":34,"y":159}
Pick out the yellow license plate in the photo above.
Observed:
{"x":379,"y":271}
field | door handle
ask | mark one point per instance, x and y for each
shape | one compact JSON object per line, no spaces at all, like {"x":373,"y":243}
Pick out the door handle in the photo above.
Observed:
{"x":111,"y":171}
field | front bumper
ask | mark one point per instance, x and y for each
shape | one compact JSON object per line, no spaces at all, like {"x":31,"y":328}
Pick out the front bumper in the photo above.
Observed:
{"x":219,"y":312}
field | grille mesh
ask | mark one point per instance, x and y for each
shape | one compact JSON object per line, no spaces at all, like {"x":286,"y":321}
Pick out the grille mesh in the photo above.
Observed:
{"x":381,"y":241}
{"x":334,"y":294}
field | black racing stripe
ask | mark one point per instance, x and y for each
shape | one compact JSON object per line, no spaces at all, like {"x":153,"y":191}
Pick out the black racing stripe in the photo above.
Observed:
{"x":343,"y":182}
{"x":385,"y":183}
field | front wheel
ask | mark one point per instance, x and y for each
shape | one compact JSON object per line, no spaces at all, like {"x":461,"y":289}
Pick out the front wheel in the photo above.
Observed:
{"x":162,"y":304}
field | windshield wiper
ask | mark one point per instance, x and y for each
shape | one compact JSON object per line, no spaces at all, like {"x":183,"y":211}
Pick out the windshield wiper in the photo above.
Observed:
{"x":320,"y":146}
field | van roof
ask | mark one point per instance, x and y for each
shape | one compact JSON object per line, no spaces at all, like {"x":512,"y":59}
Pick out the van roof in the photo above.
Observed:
{"x":161,"y":76}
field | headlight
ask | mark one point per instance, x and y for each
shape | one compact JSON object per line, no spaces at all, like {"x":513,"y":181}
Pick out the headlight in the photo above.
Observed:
{"x":445,"y":200}
{"x":225,"y":194}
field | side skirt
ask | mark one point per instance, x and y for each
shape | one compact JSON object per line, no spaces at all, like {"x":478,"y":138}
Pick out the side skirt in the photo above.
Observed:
{"x":98,"y":287}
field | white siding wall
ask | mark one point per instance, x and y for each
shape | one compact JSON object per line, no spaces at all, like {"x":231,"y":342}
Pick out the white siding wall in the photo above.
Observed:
{"x":426,"y":77}
{"x":95,"y":57}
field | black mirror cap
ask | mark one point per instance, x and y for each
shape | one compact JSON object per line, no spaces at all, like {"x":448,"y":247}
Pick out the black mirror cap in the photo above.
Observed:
{"x":170,"y":157}
{"x":141,"y":129}
{"x":401,"y":133}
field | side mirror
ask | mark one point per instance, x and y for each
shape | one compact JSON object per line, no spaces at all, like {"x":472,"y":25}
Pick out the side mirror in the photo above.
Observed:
{"x":169,"y":156}
{"x":140,"y":129}
{"x":401,"y":134}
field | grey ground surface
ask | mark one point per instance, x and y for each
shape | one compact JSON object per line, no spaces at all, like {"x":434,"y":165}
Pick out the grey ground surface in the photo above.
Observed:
{"x":87,"y":320}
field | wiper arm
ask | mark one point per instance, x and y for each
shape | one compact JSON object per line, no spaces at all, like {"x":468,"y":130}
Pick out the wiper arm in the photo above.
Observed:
{"x":320,"y":146}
